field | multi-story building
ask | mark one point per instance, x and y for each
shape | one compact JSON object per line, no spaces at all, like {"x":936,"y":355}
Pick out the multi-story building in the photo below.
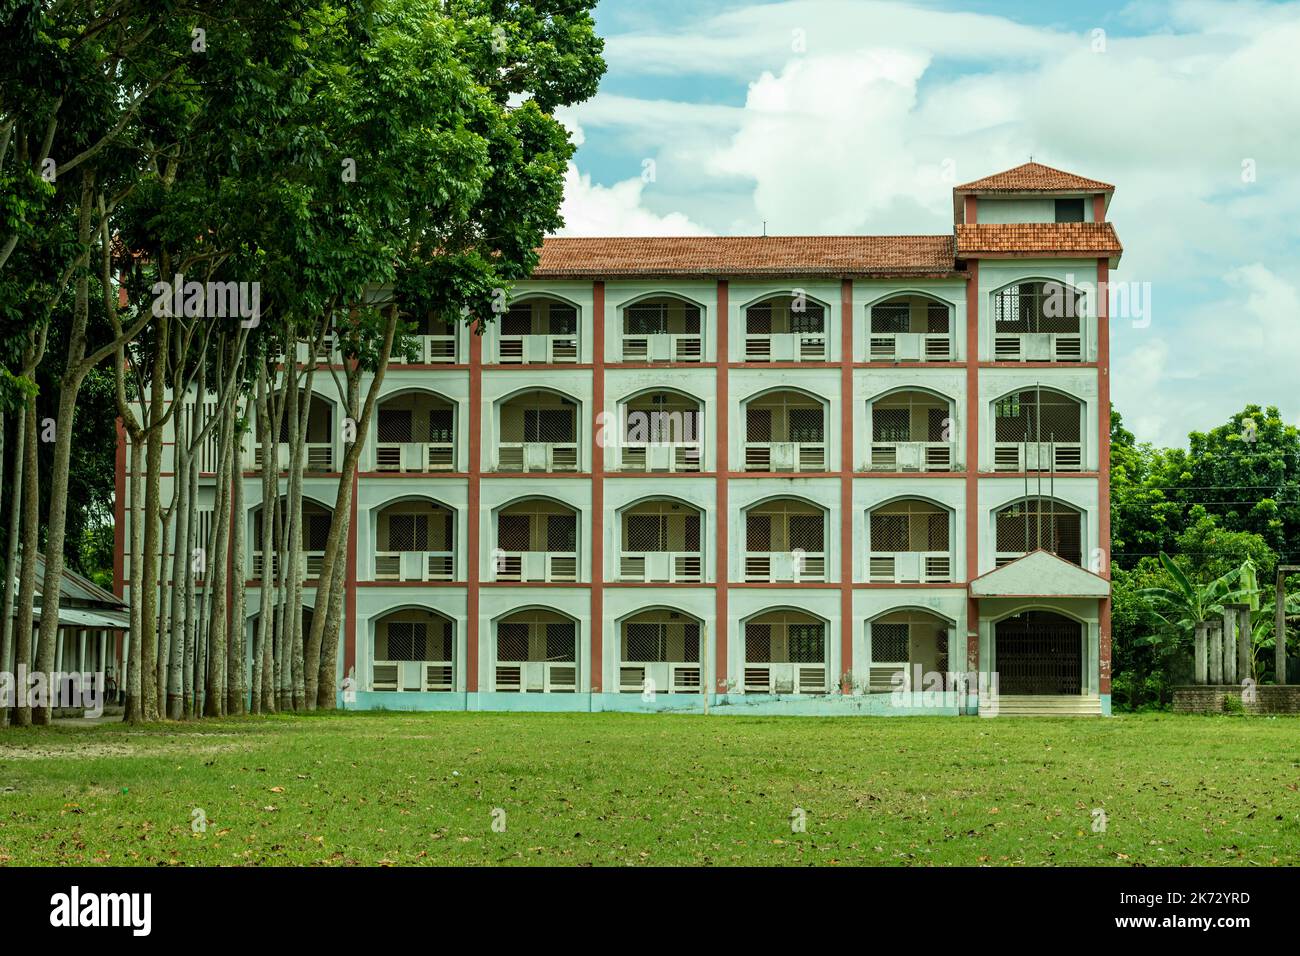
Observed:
{"x":797,"y":473}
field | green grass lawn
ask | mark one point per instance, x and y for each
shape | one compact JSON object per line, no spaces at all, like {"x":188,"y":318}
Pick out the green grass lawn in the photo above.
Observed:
{"x":633,"y":789}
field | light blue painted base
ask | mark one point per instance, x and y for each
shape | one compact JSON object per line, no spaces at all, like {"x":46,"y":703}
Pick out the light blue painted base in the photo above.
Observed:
{"x":1105,"y":705}
{"x":836,"y":705}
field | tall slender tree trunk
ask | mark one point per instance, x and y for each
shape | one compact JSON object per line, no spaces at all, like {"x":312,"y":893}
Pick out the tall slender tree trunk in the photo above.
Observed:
{"x":152,"y":538}
{"x":262,"y":638}
{"x":27,"y":576}
{"x":181,"y":573}
{"x":16,"y":481}
{"x":235,"y":687}
{"x":214,"y":700}
{"x":135,"y":712}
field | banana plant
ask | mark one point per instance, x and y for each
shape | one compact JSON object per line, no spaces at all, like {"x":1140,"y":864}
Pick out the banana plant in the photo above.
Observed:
{"x":1186,"y":604}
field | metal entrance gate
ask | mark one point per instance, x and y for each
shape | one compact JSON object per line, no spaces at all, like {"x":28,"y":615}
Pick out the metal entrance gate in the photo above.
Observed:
{"x":1039,"y":652}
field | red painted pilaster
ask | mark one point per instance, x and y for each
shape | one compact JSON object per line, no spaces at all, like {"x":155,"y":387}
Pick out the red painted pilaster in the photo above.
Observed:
{"x":972,"y":457}
{"x":597,"y":486}
{"x":722,"y":466}
{"x":473,"y":561}
{"x":970,"y":205}
{"x":1099,"y":207}
{"x":847,"y":320}
{"x":1103,"y":462}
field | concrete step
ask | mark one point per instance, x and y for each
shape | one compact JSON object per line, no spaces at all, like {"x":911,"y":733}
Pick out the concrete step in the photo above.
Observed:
{"x":1043,"y":705}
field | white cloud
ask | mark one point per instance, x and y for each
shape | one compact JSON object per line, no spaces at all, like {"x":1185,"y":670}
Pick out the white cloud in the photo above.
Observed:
{"x":594,"y":210}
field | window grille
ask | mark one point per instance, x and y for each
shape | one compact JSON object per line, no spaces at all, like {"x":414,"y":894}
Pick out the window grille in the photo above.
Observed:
{"x":395,"y":425}
{"x":1034,"y":415}
{"x":889,"y":642}
{"x":891,"y":317}
{"x":661,"y":640}
{"x":779,"y":315}
{"x":536,"y":636}
{"x":537,"y":526}
{"x":548,"y":424}
{"x":1037,"y":307}
{"x":1040,"y":524}
{"x":661,"y":526}
{"x":909,"y":526}
{"x":785,"y":526}
{"x":785,"y":638}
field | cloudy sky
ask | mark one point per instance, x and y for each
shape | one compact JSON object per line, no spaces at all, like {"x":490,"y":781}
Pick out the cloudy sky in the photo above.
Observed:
{"x":852,"y":116}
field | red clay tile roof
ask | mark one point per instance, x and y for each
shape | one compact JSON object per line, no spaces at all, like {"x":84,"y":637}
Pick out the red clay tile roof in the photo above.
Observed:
{"x":1033,"y":177}
{"x":1047,"y":238}
{"x":746,"y":256}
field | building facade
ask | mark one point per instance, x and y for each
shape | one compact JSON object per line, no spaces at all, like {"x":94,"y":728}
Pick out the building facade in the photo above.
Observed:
{"x":770,"y":474}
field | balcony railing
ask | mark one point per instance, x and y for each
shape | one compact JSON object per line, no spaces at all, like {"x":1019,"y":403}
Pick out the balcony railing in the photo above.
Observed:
{"x":414,"y":566}
{"x":785,"y":679}
{"x":416,"y":456}
{"x":429,"y":350}
{"x":660,"y":566}
{"x":667,"y":677}
{"x":537,"y":677}
{"x":786,"y":347}
{"x":661,"y":456}
{"x":1038,"y":346}
{"x":909,"y":567}
{"x":774,"y":566}
{"x":553,"y":566}
{"x":1037,"y":456}
{"x":537,"y":456}
{"x":911,"y":347}
{"x":319,"y":456}
{"x":785,"y":456}
{"x":663,"y":347}
{"x":535,"y":349}
{"x":310,"y":564}
{"x":411,"y":676}
{"x":912,"y":456}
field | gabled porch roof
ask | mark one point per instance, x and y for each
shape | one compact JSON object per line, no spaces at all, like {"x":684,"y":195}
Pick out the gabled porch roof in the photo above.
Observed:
{"x":1040,"y":574}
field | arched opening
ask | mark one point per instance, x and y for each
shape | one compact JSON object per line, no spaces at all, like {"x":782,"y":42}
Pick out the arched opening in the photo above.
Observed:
{"x":539,"y":432}
{"x":1038,"y":652}
{"x":539,"y":330}
{"x":537,"y":540}
{"x":910,"y":541}
{"x":318,"y":449}
{"x":911,"y":327}
{"x":912,"y":430}
{"x":1033,"y":524}
{"x":785,"y":653}
{"x":536,"y":652}
{"x":904,"y":645}
{"x":785,"y":540}
{"x":661,"y":542}
{"x":429,"y":339}
{"x":1037,"y":429}
{"x":415,"y":650}
{"x":785,"y":328}
{"x":416,"y":431}
{"x":662,"y":431}
{"x":415,"y":540}
{"x":314,"y":532}
{"x":785,"y":431}
{"x":662,"y":328}
{"x":659,"y":652}
{"x":1038,"y":320}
